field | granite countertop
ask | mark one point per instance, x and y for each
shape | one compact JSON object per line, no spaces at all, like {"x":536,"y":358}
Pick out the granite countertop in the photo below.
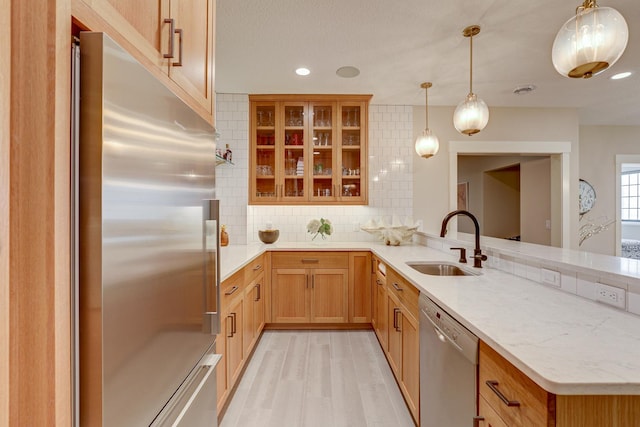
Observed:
{"x":566,"y":344}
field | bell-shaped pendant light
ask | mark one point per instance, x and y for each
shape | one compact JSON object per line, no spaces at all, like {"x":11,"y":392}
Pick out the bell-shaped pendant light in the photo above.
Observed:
{"x":427,"y":143}
{"x":590,"y":42}
{"x":472,"y":114}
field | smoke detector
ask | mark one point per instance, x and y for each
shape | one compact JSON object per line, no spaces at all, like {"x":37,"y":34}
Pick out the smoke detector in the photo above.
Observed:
{"x":523,"y":90}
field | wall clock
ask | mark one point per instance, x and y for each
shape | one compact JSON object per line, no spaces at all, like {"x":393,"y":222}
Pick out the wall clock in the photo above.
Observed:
{"x":587,"y":196}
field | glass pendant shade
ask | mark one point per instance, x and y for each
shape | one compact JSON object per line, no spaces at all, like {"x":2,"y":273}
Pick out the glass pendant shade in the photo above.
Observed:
{"x":590,"y":42}
{"x":471,"y":115}
{"x":427,"y":144}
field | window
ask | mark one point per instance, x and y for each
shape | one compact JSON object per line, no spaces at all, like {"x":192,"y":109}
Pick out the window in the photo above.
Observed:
{"x":629,"y":196}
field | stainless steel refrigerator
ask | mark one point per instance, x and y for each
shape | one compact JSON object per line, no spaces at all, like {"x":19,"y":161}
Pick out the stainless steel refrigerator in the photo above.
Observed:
{"x":147,"y":234}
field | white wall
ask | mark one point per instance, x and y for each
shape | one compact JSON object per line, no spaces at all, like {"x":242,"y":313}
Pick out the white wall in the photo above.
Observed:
{"x":598,"y":148}
{"x":431,"y":201}
{"x":390,"y":178}
{"x":535,"y":204}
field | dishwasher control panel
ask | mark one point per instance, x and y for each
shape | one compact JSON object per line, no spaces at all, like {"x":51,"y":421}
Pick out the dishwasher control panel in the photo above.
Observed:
{"x":449,"y":329}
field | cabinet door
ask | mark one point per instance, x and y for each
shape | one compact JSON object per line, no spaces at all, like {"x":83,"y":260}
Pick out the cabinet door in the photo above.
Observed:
{"x":233,"y":329}
{"x":394,"y":343}
{"x":254,"y":313}
{"x":263,"y":165}
{"x":329,"y":293}
{"x":247,"y":325}
{"x":360,"y":287}
{"x":293,"y":161}
{"x":323,"y":185}
{"x":410,"y":382}
{"x":289,"y":288}
{"x":382,"y":323}
{"x":192,"y":65}
{"x":139,"y":22}
{"x":221,"y":369}
{"x":352,"y":159}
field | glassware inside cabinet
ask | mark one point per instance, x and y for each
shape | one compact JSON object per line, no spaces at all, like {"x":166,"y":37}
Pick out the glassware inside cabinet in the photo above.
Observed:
{"x":265,"y":172}
{"x":266,"y":116}
{"x":351,"y":117}
{"x":322,"y":116}
{"x":322,"y":138}
{"x":294,"y":116}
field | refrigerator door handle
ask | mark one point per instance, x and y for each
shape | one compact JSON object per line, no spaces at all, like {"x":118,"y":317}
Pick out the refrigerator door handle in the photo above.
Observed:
{"x":173,"y":414}
{"x":211,"y":250}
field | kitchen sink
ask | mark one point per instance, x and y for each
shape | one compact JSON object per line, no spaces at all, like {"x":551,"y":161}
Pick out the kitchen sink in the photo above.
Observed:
{"x":441,"y":269}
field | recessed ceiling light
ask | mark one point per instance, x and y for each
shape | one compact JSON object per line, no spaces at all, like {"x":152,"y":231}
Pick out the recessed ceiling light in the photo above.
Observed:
{"x":621,"y":75}
{"x":347,"y":72}
{"x":523,"y":90}
{"x":303,"y":71}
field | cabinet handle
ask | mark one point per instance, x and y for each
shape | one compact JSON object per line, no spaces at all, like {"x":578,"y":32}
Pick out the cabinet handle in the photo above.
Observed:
{"x":171,"y":31}
{"x":233,"y":324}
{"x":493,"y":385}
{"x":397,"y":288}
{"x":178,"y":63}
{"x":310,"y":260}
{"x":476,"y":421}
{"x":230,"y":317}
{"x":257,"y":267}
{"x":306,"y":280}
{"x":313,"y":281}
{"x":395,"y":319}
{"x":258,"y":296}
{"x":235,"y":288}
{"x":379,"y":282}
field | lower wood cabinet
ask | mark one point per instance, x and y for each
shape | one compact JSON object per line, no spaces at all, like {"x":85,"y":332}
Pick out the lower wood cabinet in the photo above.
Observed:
{"x":403,"y":351}
{"x":233,"y":330}
{"x":499,"y":380}
{"x":242,"y":308}
{"x":359,"y":287}
{"x":310,"y":287}
{"x":253,"y":307}
{"x":379,"y":303}
{"x":397,"y":329}
{"x":316,"y":295}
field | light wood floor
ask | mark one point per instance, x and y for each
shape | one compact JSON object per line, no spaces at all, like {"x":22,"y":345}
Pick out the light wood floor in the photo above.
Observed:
{"x":317,"y":378}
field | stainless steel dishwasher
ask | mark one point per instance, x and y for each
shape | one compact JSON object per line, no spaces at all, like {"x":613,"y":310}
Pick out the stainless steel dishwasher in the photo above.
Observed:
{"x":448,"y":369}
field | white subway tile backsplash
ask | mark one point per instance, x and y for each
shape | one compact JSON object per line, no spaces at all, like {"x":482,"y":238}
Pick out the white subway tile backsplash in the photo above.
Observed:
{"x":390,"y":172}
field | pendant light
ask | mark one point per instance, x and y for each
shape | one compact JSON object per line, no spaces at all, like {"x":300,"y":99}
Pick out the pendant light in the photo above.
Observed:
{"x":472,"y":114}
{"x":590,"y":42}
{"x":427,"y":143}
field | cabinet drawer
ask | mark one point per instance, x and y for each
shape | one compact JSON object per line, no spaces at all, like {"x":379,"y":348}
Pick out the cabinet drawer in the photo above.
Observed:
{"x":532,"y":406}
{"x":405,"y":291}
{"x":231,"y":288}
{"x":254,"y":268}
{"x":310,"y":260}
{"x":489,"y":415}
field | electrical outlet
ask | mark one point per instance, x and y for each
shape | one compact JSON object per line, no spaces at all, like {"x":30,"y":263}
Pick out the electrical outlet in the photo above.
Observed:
{"x":611,"y":295}
{"x":550,"y":277}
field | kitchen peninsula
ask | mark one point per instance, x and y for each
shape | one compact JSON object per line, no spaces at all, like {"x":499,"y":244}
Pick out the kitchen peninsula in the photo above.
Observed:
{"x":584,"y":354}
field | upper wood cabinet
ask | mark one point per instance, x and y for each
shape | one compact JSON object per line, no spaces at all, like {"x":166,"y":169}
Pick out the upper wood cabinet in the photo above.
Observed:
{"x":308,"y":149}
{"x":174,"y":36}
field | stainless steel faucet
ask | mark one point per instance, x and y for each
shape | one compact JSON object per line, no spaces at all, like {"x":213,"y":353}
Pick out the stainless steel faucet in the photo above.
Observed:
{"x":478,"y":257}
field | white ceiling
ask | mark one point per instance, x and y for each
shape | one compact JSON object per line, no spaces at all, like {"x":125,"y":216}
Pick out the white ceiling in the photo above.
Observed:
{"x":397,"y":44}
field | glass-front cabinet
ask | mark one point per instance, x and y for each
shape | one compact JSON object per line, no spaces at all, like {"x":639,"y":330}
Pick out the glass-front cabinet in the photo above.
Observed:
{"x":308,"y":149}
